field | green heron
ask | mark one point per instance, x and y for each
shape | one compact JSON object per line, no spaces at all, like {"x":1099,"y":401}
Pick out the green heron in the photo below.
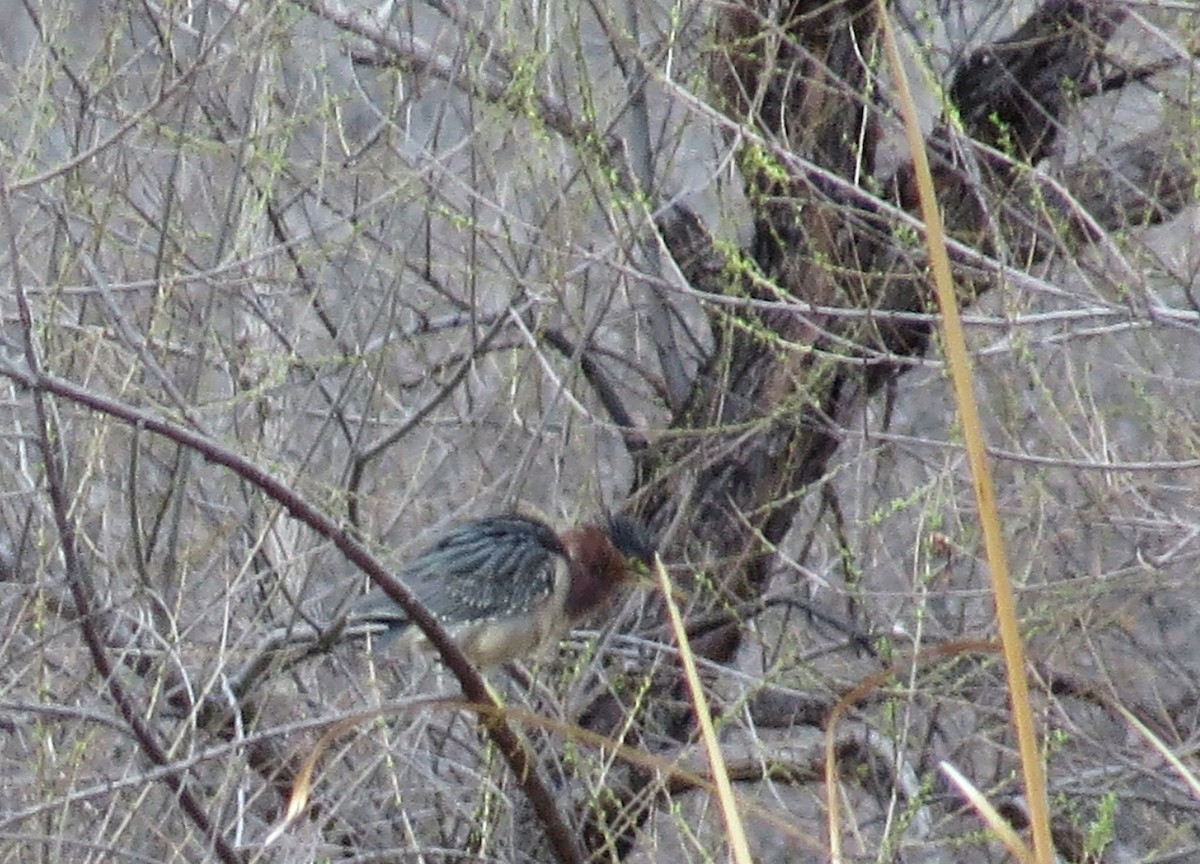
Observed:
{"x":504,"y":586}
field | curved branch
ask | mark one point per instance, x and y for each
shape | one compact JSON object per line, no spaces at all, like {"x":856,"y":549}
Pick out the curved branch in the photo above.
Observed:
{"x":518,"y":756}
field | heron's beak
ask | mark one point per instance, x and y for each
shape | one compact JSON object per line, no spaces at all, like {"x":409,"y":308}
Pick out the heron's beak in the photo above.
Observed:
{"x":642,"y":575}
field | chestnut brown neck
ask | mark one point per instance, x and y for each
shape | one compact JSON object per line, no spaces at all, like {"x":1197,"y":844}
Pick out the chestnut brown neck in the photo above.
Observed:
{"x":594,"y":566}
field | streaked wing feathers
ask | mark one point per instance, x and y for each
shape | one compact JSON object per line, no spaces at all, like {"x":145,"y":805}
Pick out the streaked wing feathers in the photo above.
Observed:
{"x":480,"y":570}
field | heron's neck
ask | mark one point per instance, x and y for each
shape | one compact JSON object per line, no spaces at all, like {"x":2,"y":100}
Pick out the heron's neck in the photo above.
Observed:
{"x":595,"y":568}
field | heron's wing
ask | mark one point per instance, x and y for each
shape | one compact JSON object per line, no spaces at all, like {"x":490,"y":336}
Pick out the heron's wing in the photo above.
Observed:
{"x":489,"y":568}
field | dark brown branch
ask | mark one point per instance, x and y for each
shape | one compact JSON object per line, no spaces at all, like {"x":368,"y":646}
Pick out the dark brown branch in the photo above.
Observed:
{"x":79,"y":579}
{"x":519,"y":758}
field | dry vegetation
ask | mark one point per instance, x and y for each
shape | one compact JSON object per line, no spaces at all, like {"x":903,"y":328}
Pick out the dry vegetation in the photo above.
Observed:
{"x":281,"y":278}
